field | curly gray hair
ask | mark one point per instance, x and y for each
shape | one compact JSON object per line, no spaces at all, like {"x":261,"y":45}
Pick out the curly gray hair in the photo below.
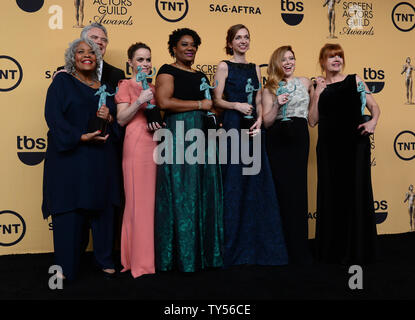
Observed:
{"x":70,"y":55}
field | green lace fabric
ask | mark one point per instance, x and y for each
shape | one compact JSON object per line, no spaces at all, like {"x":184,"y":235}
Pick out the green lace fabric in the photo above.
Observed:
{"x":189,"y":203}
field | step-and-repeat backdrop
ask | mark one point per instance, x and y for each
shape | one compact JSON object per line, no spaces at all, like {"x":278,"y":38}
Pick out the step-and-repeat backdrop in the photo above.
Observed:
{"x":377,"y":35}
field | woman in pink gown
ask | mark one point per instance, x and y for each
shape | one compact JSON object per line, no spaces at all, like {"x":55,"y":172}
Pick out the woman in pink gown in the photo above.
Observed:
{"x":139,"y":169}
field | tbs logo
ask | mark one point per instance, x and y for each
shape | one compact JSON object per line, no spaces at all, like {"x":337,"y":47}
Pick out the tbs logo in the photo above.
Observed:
{"x":12,"y":228}
{"x":290,"y":12}
{"x":373,"y":75}
{"x":381,"y":212}
{"x":30,"y":158}
{"x":30,"y":5}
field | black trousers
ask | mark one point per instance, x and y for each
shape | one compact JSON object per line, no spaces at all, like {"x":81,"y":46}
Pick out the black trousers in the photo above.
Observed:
{"x":69,"y":238}
{"x":288,"y":147}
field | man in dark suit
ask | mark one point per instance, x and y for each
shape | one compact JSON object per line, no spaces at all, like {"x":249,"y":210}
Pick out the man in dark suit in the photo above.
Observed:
{"x":109,"y":75}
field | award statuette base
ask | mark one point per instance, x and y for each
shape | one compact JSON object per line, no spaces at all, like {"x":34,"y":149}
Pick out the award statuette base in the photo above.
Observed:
{"x":247,"y":122}
{"x":153,"y":115}
{"x":365,"y":118}
{"x":285,"y":127}
{"x":210,"y":121}
{"x":286,"y":123}
{"x":96,"y":123}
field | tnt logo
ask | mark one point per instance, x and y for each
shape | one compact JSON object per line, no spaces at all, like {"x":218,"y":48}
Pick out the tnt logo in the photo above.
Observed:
{"x":381,"y":211}
{"x":403,"y":16}
{"x":11,"y":73}
{"x":30,"y":158}
{"x":12,"y":228}
{"x":290,"y":12}
{"x":371,"y":76}
{"x":404,"y":145}
{"x":172,"y":11}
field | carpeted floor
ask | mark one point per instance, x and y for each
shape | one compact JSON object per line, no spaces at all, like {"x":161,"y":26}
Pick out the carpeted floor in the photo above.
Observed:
{"x":25,"y":277}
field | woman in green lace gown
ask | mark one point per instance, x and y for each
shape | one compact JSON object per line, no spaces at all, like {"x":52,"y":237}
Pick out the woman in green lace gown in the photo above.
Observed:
{"x":189,"y":210}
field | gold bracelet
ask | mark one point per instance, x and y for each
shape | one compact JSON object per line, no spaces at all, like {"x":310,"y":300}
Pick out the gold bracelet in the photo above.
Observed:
{"x":199,"y":103}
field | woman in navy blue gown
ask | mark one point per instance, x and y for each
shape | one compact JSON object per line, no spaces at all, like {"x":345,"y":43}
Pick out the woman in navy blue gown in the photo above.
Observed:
{"x":81,"y":183}
{"x":253,"y":232}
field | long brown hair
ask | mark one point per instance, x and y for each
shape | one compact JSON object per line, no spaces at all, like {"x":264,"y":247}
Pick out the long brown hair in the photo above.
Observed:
{"x":274,"y":70}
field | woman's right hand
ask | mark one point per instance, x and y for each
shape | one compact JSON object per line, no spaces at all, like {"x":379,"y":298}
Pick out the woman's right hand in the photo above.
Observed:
{"x":244,"y":108}
{"x":206,"y":104}
{"x":153,"y":126}
{"x":283,"y":98}
{"x":94,"y":137}
{"x":321,"y":85}
{"x":145,"y":96}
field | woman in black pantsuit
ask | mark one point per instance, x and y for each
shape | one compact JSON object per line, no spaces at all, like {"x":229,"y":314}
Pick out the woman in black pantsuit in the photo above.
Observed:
{"x":81,"y":183}
{"x":285,"y":117}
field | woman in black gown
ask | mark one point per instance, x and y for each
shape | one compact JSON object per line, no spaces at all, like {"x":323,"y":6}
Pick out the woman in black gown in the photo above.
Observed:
{"x":189,"y":211}
{"x":346,"y":228}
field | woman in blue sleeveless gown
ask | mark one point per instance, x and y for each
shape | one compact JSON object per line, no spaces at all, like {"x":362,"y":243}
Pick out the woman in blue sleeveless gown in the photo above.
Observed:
{"x":253,"y":232}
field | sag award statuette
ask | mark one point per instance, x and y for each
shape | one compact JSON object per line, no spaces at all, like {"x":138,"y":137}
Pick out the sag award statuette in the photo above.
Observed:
{"x":151,"y":111}
{"x":282,"y":90}
{"x":249,"y":120}
{"x":210,"y":119}
{"x":361,"y":89}
{"x":96,"y":123}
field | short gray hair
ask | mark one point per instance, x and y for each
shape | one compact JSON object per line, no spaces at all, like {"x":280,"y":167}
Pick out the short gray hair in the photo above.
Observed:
{"x":85,"y":30}
{"x":70,"y":55}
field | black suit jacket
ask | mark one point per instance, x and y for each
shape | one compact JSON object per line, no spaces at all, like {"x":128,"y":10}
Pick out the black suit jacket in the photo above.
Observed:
{"x":110,"y":75}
